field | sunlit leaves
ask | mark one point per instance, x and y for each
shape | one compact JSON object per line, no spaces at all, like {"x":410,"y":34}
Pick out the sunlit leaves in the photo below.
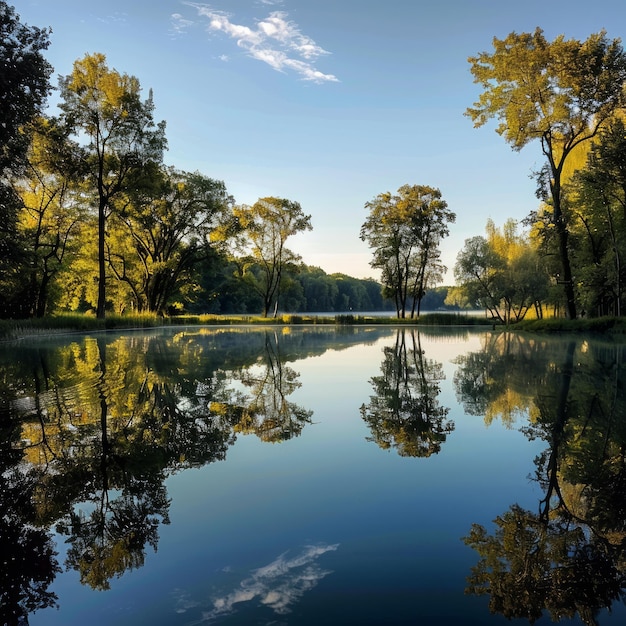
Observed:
{"x":105,"y":112}
{"x":501,"y":272}
{"x":558,"y":90}
{"x":404,"y":231}
{"x":560,"y":93}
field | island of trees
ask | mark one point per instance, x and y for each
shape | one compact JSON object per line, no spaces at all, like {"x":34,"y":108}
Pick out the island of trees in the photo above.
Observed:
{"x":93,"y":220}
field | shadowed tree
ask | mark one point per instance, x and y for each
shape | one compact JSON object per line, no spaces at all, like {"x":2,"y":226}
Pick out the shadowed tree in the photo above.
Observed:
{"x":601,"y":191}
{"x":266,"y":226}
{"x":169,"y":230}
{"x":24,"y":88}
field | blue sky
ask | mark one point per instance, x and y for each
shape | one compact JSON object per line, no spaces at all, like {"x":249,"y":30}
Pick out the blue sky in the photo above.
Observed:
{"x":326,"y":102}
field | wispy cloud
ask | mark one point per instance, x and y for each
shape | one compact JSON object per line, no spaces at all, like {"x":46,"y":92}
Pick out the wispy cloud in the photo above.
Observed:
{"x":278,"y":585}
{"x":114,"y":18}
{"x":274,"y":40}
{"x":179,"y":24}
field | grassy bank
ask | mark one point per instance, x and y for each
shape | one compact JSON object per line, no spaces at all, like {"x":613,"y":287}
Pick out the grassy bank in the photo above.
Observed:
{"x":604,"y":325}
{"x":67,"y":323}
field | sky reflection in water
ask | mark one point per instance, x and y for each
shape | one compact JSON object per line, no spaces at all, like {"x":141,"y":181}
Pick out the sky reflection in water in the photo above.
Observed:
{"x":315,"y":475}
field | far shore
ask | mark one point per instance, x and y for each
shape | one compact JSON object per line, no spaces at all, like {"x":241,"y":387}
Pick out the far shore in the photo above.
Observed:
{"x":80,"y":323}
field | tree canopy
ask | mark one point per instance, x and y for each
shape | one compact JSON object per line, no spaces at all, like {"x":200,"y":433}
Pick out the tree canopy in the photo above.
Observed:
{"x":405,"y":230}
{"x":267,"y":225}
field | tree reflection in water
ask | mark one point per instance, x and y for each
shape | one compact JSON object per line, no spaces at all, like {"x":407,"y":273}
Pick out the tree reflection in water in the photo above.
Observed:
{"x":28,"y":561}
{"x":405,"y":413}
{"x":264,"y":409}
{"x":93,"y":428}
{"x":568,"y":557}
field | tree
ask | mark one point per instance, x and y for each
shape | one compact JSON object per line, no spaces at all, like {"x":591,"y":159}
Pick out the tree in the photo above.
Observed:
{"x":601,"y":194}
{"x":51,"y":214}
{"x":266,"y":226}
{"x":476,"y":270}
{"x":105,"y":107}
{"x":559,"y":92}
{"x":501,"y":273}
{"x":405,"y":231}
{"x":24,"y":88}
{"x":168,"y":231}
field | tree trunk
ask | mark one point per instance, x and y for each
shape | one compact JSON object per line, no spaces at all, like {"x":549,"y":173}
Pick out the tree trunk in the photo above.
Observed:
{"x":563,"y":236}
{"x":101,"y":307}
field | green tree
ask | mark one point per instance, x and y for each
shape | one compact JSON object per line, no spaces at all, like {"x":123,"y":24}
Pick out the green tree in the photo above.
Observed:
{"x":168,"y":231}
{"x":320,"y":290}
{"x":266,"y":226}
{"x":24,"y":85}
{"x":560,"y":93}
{"x":405,"y":231}
{"x":105,"y":108}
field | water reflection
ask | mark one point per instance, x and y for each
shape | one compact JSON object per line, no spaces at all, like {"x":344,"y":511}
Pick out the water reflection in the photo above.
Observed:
{"x":91,"y":429}
{"x":278,"y":585}
{"x":568,"y":557}
{"x":404,"y":412}
{"x":264,"y":409}
{"x":28,"y":562}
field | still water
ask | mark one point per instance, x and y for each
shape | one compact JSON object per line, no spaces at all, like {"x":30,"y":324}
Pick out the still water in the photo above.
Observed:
{"x":312,"y":475}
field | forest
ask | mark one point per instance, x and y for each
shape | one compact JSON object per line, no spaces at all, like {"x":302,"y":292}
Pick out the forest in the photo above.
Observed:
{"x":94,"y":221}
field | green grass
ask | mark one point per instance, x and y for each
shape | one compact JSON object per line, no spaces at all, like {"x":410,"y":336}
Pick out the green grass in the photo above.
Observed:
{"x":612,"y":325}
{"x":74,"y":322}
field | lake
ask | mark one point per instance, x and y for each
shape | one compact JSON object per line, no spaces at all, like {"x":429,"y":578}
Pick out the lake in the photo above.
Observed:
{"x":313,"y":475}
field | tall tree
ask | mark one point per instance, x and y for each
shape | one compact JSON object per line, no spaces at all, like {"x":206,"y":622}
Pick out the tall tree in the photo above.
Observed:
{"x":24,"y":88}
{"x":405,"y":231}
{"x":266,"y":226}
{"x":560,"y":93}
{"x":105,"y":108}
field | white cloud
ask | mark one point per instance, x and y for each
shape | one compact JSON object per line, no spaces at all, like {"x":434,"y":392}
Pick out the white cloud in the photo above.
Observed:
{"x":274,"y":40}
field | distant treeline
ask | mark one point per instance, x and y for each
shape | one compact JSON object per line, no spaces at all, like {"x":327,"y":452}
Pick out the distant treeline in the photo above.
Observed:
{"x":307,"y":290}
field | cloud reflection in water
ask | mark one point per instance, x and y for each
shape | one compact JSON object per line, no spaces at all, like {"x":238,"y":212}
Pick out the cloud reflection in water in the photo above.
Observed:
{"x":278,"y":585}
